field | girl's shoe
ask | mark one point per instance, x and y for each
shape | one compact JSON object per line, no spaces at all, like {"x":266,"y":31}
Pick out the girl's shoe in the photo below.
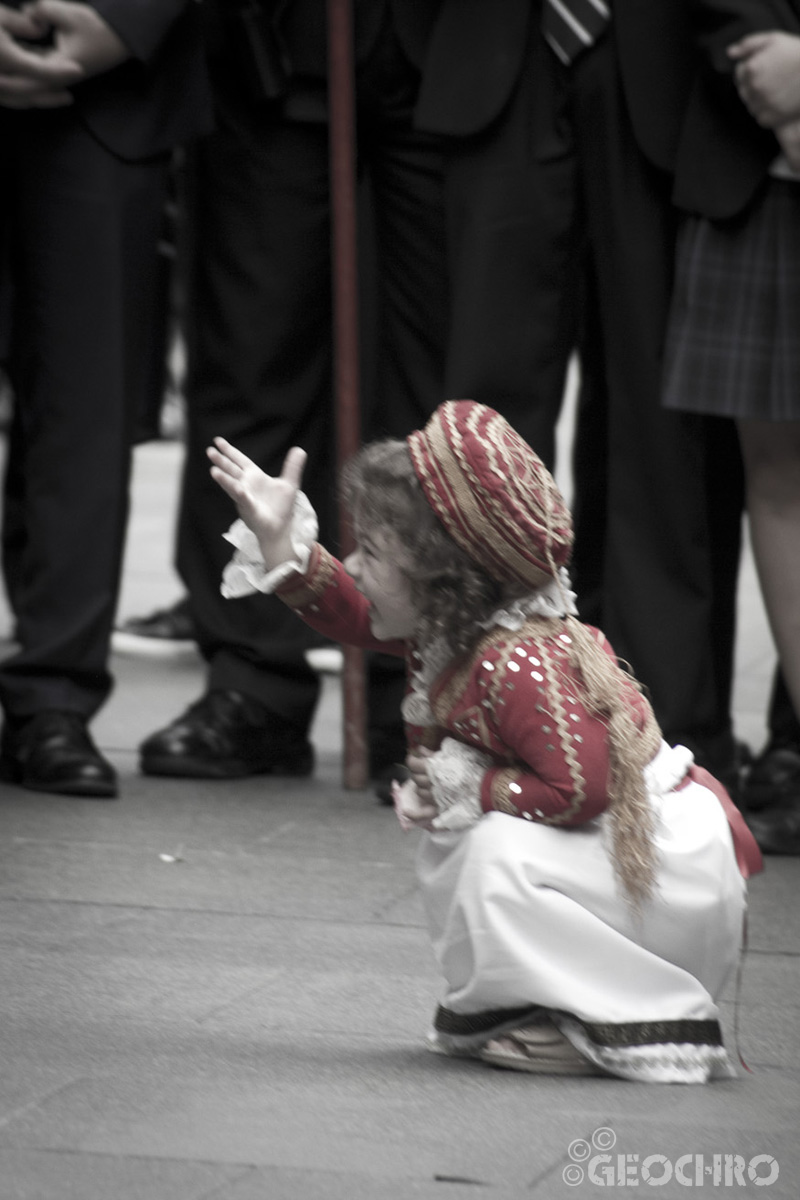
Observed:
{"x":540,"y":1048}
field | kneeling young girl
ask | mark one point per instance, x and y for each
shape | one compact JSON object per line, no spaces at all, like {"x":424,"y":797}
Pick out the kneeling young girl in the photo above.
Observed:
{"x":583,"y":881}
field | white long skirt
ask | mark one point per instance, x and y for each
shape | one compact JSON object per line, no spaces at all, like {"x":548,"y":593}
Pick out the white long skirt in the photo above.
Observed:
{"x":527,"y":917}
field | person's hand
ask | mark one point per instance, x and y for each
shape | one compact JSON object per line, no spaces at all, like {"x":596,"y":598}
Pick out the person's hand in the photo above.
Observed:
{"x":788,"y":136}
{"x":411,"y":810}
{"x":81,"y":35}
{"x":768,"y":76}
{"x":416,"y":762}
{"x":264,"y":502}
{"x":30,"y":76}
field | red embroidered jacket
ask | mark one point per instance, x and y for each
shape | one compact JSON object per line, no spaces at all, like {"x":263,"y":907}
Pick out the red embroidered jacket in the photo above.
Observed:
{"x":514,"y":697}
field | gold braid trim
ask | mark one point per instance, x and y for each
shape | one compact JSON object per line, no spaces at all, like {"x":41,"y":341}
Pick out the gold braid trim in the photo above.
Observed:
{"x":603,"y":687}
{"x":444,"y":699}
{"x":475,"y":519}
{"x":494,"y":532}
{"x":501,"y":786}
{"x":539,"y":632}
{"x":566,"y":738}
{"x":302,"y":591}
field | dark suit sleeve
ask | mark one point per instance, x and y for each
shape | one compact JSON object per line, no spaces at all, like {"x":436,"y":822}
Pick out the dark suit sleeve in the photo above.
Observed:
{"x":719,"y":23}
{"x":160,"y":97}
{"x":723,"y":154}
{"x":142,"y":24}
{"x":474,"y":58}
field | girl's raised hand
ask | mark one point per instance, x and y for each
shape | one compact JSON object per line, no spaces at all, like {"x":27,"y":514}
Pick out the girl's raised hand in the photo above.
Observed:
{"x":264,"y":502}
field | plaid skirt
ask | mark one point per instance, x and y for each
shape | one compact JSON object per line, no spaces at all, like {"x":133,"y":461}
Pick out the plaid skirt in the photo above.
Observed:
{"x":733,"y":339}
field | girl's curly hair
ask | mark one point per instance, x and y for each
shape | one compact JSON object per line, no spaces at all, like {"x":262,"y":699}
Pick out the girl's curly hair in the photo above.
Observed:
{"x":452,"y":593}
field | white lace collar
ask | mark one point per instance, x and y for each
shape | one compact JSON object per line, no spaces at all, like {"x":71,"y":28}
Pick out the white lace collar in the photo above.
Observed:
{"x":555,"y":599}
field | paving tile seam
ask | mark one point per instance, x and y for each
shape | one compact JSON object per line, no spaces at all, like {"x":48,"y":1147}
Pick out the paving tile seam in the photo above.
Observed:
{"x":754,"y":951}
{"x":250,"y":1168}
{"x":39,"y":1101}
{"x":187,"y":856}
{"x":187,"y":847}
{"x":127,"y":1156}
{"x":233,"y":913}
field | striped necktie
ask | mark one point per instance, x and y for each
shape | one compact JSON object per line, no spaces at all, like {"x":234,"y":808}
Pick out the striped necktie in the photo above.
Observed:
{"x":571,"y":26}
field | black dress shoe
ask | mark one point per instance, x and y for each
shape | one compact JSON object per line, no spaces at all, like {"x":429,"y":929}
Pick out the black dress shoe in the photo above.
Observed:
{"x":226,"y":735}
{"x":165,"y":633}
{"x":53,"y":752}
{"x":731,"y":774}
{"x":777,"y":828}
{"x":775,"y":775}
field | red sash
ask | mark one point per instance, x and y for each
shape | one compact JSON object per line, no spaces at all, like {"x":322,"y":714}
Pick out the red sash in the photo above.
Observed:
{"x":748,"y":855}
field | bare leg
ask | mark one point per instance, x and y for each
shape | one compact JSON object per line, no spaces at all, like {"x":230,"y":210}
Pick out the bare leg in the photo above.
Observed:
{"x":771,"y":451}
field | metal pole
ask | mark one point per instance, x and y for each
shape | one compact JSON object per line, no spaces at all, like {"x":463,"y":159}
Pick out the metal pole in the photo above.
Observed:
{"x":344,"y":252}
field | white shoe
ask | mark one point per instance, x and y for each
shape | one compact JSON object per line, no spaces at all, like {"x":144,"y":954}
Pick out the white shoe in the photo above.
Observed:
{"x":541,"y":1049}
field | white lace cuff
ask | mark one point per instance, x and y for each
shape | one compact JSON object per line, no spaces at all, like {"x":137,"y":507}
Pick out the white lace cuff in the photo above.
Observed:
{"x":246,"y":572}
{"x":455,"y":772}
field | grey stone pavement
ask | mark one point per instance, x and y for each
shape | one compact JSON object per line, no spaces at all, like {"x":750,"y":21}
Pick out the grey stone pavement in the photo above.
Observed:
{"x":219,"y":991}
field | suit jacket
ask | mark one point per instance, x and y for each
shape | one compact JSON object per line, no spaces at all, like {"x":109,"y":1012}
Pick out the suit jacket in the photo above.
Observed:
{"x":302,"y":26}
{"x":295,"y":35}
{"x":723,"y":155}
{"x":477,"y":52}
{"x":160,"y":97}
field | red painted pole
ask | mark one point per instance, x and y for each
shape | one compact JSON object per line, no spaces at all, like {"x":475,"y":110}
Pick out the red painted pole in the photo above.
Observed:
{"x":344,"y":253}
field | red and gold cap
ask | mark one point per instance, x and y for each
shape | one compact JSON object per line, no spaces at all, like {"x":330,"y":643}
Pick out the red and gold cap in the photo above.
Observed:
{"x":492,"y":493}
